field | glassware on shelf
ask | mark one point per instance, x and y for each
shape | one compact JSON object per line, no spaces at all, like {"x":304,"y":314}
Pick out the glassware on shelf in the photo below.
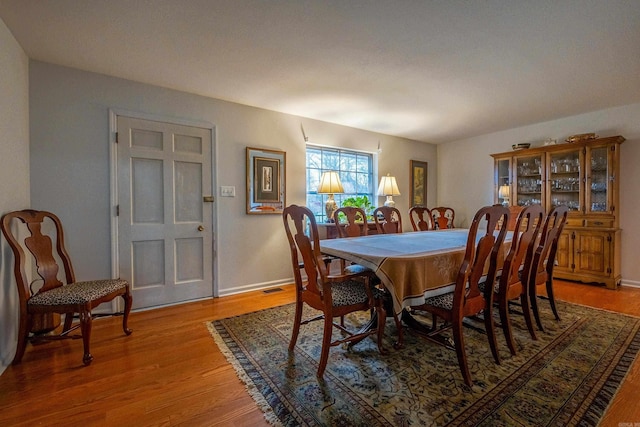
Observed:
{"x":572,"y":205}
{"x":599,"y":160}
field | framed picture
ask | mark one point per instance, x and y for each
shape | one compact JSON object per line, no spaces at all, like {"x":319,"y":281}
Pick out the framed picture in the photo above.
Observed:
{"x":418,"y":184}
{"x":265,"y":181}
{"x":266,"y":175}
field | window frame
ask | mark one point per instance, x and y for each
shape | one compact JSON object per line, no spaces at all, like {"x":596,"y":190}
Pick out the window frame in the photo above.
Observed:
{"x":349,"y":165}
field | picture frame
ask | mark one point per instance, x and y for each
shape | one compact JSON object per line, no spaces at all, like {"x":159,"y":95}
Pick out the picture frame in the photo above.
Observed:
{"x":265,"y":181}
{"x":418,"y":183}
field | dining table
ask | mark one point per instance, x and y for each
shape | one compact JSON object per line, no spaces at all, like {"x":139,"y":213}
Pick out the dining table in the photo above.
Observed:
{"x":411,"y":265}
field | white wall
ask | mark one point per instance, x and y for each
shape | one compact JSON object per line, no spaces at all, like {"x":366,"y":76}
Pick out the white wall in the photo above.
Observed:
{"x":14,"y":173}
{"x":465,"y":169}
{"x":70,"y":166}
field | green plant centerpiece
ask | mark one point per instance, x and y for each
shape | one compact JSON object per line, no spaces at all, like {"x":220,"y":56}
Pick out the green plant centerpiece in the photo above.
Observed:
{"x":361,"y":202}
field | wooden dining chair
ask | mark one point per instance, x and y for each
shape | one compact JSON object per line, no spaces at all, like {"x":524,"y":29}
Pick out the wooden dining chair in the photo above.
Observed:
{"x":355,"y":226}
{"x":420,"y":218}
{"x":480,"y":260}
{"x":388,"y":220}
{"x":443,"y":217}
{"x":39,"y":305}
{"x":355,"y":223}
{"x":516,"y":270}
{"x":333,"y":295}
{"x":544,"y":260}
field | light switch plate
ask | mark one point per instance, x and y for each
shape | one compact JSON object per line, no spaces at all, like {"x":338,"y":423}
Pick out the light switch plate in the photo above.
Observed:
{"x":227,"y":191}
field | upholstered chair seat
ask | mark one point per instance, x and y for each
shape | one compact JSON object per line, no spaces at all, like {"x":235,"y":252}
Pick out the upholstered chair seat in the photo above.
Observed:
{"x":78,"y":293}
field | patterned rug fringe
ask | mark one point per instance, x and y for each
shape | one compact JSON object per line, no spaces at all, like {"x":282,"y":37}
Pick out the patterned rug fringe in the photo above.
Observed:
{"x":253,"y":391}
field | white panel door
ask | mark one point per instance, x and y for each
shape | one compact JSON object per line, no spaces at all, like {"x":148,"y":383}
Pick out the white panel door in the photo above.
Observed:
{"x":165,"y":239}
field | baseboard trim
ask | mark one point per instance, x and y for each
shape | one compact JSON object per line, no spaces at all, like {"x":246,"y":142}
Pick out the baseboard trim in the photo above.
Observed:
{"x":254,"y":287}
{"x":630,"y":283}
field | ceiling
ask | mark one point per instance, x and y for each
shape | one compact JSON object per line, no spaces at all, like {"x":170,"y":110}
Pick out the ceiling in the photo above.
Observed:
{"x":429,"y":70}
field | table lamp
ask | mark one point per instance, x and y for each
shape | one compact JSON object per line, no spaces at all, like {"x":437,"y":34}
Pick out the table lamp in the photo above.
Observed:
{"x":388,"y":187}
{"x":503,"y":193}
{"x":330,"y":184}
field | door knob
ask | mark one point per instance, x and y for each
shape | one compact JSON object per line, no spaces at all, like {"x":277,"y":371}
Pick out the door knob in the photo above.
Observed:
{"x":200,"y":228}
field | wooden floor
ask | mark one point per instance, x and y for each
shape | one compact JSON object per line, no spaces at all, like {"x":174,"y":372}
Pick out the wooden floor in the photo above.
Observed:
{"x":170,"y":372}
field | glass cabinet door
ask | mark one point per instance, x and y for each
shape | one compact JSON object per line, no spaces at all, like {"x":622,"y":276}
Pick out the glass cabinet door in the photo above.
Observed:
{"x":564,"y":179}
{"x":598,"y":180}
{"x":529,"y":180}
{"x":503,"y":181}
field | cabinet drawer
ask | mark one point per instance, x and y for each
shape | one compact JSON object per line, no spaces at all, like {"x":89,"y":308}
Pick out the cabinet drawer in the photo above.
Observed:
{"x":573,"y":222}
{"x":606,"y":223}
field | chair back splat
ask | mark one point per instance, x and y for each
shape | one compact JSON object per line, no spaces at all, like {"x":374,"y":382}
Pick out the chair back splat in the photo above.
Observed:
{"x":443,"y":217}
{"x":388,"y":220}
{"x":544,"y":260}
{"x":356,"y":222}
{"x":484,"y":246}
{"x":40,"y":309}
{"x":333,"y":295}
{"x":421,"y":219}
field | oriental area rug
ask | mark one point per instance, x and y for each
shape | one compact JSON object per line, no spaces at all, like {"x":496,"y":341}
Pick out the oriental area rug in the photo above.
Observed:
{"x":567,"y":377}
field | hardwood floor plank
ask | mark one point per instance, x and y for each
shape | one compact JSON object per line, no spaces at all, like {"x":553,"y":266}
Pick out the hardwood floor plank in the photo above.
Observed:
{"x":170,"y":372}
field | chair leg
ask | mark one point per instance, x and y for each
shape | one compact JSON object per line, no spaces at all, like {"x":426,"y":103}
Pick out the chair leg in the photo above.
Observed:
{"x":552,"y":299}
{"x":23,"y":336}
{"x":68,"y":321}
{"x":434,"y":322}
{"x":491,"y":334}
{"x":506,"y":324}
{"x":533,"y":297}
{"x":128,"y":302}
{"x":526,"y":309}
{"x":458,"y":339}
{"x":296,"y":324}
{"x":326,"y":343}
{"x":85,"y":327}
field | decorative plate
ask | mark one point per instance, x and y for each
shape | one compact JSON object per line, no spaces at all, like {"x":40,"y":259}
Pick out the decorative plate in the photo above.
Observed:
{"x":521,"y":146}
{"x":581,"y":137}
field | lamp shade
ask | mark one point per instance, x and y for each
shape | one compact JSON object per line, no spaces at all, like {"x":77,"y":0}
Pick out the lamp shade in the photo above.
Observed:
{"x":388,"y":186}
{"x":330,"y":183}
{"x":503,"y":191}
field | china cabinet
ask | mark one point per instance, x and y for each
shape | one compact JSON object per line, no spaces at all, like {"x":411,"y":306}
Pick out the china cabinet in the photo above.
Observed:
{"x":583,"y":177}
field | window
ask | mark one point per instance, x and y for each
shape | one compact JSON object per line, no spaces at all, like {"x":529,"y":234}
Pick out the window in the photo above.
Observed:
{"x":356,"y":174}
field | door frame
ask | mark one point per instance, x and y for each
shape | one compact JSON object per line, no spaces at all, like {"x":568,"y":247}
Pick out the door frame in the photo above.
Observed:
{"x":113,"y":186}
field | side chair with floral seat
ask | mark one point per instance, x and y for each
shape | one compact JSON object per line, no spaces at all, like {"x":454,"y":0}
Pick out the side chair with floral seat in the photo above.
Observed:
{"x":37,"y":238}
{"x":484,"y":244}
{"x":333,"y":295}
